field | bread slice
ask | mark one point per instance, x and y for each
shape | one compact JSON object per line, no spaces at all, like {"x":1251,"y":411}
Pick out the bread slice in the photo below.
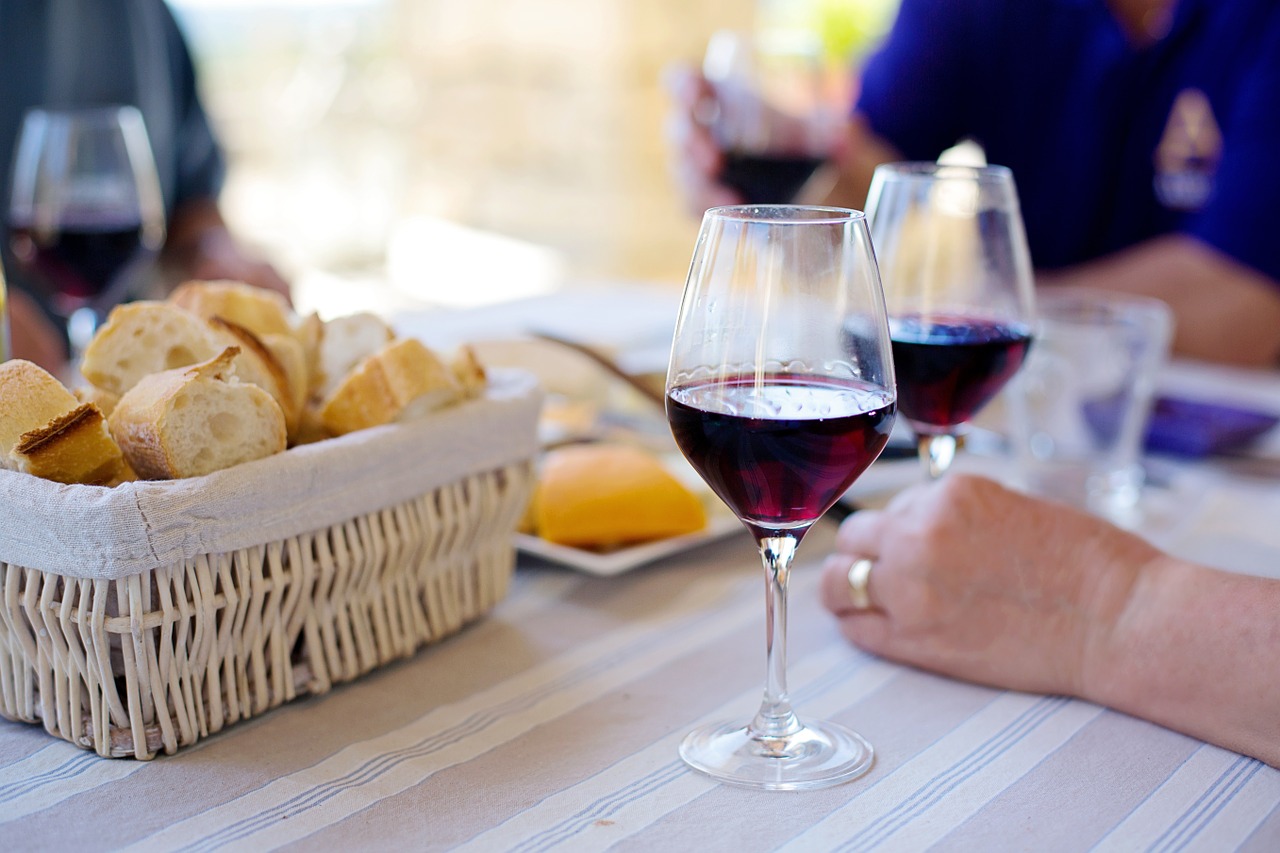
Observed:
{"x":603,"y":496}
{"x":347,"y":341}
{"x":103,"y":399}
{"x":144,"y":337}
{"x":469,"y":372}
{"x":194,"y":420}
{"x":258,"y":363}
{"x":403,"y":380}
{"x":30,"y":397}
{"x":74,"y":447}
{"x":263,"y":312}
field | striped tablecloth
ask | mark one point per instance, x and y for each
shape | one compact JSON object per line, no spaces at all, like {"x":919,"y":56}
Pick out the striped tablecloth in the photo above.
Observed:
{"x":553,"y":724}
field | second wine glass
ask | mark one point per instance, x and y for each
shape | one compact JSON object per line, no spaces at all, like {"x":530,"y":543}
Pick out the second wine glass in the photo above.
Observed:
{"x":958,"y":283}
{"x":86,"y":213}
{"x":779,"y":415}
{"x":773,"y":119}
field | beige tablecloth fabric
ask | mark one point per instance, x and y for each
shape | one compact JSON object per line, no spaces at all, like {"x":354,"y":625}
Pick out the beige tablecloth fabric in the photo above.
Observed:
{"x":553,"y":724}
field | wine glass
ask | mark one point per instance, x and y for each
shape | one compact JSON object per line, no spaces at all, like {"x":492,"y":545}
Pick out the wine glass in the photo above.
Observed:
{"x":85,"y":215}
{"x":958,"y":284}
{"x":772,"y":118}
{"x":779,"y":416}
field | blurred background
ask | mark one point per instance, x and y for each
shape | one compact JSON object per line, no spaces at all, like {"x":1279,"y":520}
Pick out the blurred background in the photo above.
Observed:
{"x":393,"y":154}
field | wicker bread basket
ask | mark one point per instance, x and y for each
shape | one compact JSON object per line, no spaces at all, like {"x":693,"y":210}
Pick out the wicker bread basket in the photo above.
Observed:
{"x":142,"y":618}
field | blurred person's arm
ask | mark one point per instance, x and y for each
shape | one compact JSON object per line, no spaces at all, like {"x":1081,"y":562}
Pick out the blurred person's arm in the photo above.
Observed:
{"x":199,"y":244}
{"x":988,"y":585}
{"x":1224,"y":311}
{"x":33,"y":336}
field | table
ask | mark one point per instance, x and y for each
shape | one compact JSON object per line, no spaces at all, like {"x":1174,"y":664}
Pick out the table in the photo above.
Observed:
{"x":553,"y":723}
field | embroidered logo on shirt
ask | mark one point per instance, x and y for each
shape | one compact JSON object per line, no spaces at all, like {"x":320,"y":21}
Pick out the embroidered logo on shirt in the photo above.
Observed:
{"x":1186,"y":159}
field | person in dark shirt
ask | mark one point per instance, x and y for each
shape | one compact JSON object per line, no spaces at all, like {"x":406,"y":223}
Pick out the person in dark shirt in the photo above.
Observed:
{"x":1141,"y":133}
{"x":72,"y":53}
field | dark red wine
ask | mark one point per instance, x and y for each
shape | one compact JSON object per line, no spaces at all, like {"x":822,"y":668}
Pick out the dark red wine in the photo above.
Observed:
{"x":949,"y":368}
{"x":780,"y":453}
{"x":767,"y":178}
{"x":78,"y":260}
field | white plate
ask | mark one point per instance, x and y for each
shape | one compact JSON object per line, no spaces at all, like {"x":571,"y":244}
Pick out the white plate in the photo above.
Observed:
{"x":610,"y":563}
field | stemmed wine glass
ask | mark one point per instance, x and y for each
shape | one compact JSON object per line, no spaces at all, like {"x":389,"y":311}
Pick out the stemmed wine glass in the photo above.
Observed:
{"x":773,"y":119}
{"x":86,"y":213}
{"x":779,"y":415}
{"x":958,"y":283}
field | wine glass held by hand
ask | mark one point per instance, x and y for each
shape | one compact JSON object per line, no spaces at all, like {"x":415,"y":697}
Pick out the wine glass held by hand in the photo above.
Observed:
{"x":779,"y":416}
{"x":959,"y":288}
{"x":771,"y":116}
{"x":85,"y":214}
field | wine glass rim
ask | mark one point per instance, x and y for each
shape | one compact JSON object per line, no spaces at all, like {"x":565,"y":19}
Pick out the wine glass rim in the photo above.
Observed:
{"x":786,"y":214}
{"x":931,"y":170}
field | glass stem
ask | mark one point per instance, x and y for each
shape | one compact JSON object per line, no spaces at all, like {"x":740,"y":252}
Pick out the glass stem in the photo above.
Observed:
{"x":776,"y":719}
{"x":937,"y":453}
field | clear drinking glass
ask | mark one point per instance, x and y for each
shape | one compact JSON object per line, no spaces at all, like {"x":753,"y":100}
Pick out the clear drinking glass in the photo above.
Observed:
{"x":85,"y":214}
{"x":779,"y":410}
{"x":773,"y":118}
{"x":959,"y":288}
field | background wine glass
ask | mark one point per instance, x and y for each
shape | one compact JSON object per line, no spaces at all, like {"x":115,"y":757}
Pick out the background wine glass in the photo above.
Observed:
{"x":772,"y":119}
{"x":958,"y":284}
{"x":85,"y":215}
{"x":779,"y":417}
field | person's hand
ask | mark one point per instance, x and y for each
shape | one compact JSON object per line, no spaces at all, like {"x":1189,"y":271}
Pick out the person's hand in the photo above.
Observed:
{"x":695,"y":158}
{"x":200,"y":246}
{"x":34,"y":336}
{"x":217,"y":255}
{"x":985,"y":584}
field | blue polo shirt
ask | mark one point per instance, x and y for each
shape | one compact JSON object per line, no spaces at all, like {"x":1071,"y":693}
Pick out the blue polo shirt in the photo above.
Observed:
{"x":1109,"y":144}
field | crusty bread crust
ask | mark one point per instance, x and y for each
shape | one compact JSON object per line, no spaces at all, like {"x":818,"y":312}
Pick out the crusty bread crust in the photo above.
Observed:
{"x":30,"y":397}
{"x":263,"y":312}
{"x":145,"y":337}
{"x":192,"y":421}
{"x":74,"y":447}
{"x":402,"y":380}
{"x":258,"y":364}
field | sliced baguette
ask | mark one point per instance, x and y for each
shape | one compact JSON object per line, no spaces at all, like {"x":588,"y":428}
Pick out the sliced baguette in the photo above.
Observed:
{"x":195,"y":420}
{"x":469,"y":372}
{"x":74,"y":447}
{"x":30,"y":397}
{"x":347,"y":341}
{"x":401,"y":381}
{"x":259,"y":364}
{"x":144,"y":337}
{"x":263,"y":312}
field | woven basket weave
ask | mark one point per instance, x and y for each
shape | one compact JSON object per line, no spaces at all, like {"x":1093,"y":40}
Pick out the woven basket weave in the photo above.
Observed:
{"x":133,"y":649}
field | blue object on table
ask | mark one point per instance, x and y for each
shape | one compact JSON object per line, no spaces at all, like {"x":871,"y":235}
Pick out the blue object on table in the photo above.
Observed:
{"x":1196,"y":428}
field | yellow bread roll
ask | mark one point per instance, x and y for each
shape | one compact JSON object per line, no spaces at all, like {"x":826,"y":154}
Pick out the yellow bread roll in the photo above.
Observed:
{"x":606,"y":495}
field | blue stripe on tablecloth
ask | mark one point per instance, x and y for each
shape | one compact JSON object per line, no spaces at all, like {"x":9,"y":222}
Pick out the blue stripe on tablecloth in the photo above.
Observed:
{"x":69,"y":769}
{"x":611,"y":803}
{"x":936,"y":788}
{"x":379,"y":765}
{"x":1207,"y":806}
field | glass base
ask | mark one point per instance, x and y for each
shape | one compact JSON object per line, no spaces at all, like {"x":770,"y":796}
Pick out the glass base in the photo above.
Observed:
{"x":817,"y":756}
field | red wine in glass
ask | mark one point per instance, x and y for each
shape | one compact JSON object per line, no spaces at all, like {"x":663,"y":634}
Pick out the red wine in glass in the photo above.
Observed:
{"x":83,"y":259}
{"x":780,"y":451}
{"x":85,"y":210}
{"x":948,"y":368}
{"x":768,"y":178}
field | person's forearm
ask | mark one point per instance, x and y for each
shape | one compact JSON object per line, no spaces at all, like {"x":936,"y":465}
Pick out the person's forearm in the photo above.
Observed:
{"x":1197,"y":650}
{"x":1224,"y":311}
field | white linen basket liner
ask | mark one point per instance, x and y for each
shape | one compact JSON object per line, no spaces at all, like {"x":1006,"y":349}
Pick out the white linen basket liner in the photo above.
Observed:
{"x":143,"y":617}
